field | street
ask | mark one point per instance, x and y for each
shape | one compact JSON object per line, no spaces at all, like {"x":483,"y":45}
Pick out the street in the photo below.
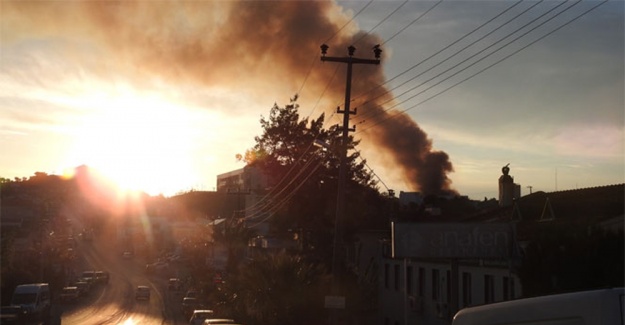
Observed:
{"x":115,"y":303}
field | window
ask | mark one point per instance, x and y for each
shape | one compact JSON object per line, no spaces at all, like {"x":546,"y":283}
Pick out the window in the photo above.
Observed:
{"x":397,"y":276}
{"x":466,"y":289}
{"x":386,"y":267}
{"x":508,"y":288}
{"x":435,"y":284}
{"x":421,"y":282}
{"x":512,"y":293}
{"x":489,"y":289}
{"x":409,"y":280}
{"x":448,"y":286}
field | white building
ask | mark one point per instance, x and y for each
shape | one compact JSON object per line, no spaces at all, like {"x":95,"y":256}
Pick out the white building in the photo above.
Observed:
{"x":419,"y":291}
{"x":246,"y":179}
{"x":249,"y":188}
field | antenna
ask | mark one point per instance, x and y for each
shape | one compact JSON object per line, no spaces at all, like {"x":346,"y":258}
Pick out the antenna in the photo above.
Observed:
{"x":530,"y":187}
{"x":556,"y":179}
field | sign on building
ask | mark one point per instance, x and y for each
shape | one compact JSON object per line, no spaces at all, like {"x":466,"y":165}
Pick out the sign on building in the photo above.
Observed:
{"x":452,"y":240}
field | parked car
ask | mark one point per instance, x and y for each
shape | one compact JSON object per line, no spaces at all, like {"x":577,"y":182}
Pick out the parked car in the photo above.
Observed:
{"x":142,"y":292}
{"x":189,"y":305}
{"x":83,"y":288}
{"x":69,"y":294}
{"x":192,"y":294}
{"x":157,"y":267}
{"x":34,"y":299}
{"x":127,"y":255}
{"x":88,"y":280}
{"x":88,"y":276}
{"x":12,"y":315}
{"x":200,"y":315}
{"x":219,"y":321}
{"x":174,"y":284}
{"x":596,"y":307}
{"x":102,"y":277}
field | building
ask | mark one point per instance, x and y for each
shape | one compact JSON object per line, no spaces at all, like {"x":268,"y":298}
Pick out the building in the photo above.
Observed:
{"x":445,"y":266}
{"x":246,"y":179}
{"x":248,"y":187}
{"x":508,"y":190}
{"x":420,"y":289}
{"x":407,"y":199}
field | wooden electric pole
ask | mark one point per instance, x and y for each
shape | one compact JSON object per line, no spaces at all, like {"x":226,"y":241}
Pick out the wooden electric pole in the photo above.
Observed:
{"x":337,"y":256}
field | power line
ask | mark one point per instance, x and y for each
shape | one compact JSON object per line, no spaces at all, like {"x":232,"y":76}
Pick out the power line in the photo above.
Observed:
{"x":324,"y":90}
{"x":283,"y":201}
{"x":373,"y":172}
{"x":275,"y":206}
{"x":412,"y":22}
{"x":279,"y":189}
{"x":285,"y":198}
{"x":314,"y":59}
{"x":450,"y":45}
{"x":486,"y":68}
{"x":479,"y":52}
{"x":401,"y":30}
{"x":312,"y":65}
{"x":426,"y":99}
{"x":347,"y":23}
{"x":380,"y":23}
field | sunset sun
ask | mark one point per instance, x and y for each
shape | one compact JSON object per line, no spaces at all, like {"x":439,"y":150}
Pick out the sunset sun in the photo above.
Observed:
{"x":139,"y":143}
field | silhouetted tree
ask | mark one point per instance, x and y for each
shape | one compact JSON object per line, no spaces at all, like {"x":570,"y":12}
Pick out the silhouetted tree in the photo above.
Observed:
{"x":235,"y":236}
{"x":277,"y":289}
{"x":304,"y":177}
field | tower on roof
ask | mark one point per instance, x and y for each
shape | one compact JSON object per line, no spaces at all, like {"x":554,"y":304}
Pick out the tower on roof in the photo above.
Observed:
{"x":508,"y":190}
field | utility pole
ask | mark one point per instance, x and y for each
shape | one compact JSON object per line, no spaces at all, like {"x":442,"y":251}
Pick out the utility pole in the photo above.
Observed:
{"x":337,"y":301}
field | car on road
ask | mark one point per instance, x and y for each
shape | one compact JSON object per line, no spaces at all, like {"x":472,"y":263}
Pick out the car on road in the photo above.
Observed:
{"x":200,"y":315}
{"x":69,"y":294}
{"x":142,"y":292}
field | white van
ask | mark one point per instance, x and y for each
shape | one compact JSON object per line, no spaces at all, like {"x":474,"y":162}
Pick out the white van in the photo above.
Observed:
{"x":34,"y":300}
{"x":595,"y":307}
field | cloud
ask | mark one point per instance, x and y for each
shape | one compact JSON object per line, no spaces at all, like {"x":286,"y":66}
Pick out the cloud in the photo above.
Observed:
{"x":257,"y":50}
{"x":592,"y":141}
{"x":238,"y":58}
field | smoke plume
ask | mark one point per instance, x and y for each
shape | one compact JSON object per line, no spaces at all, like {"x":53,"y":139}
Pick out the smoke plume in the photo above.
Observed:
{"x":255,"y":47}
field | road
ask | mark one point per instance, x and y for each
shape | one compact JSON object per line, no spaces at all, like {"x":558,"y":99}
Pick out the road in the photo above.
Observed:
{"x":115,"y":303}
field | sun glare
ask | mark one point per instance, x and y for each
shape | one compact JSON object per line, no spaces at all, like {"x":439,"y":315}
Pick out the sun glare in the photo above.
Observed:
{"x":141,"y":143}
{"x":128,"y":321}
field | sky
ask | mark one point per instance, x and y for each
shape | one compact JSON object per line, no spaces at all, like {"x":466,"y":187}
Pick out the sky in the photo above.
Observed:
{"x":162,"y":95}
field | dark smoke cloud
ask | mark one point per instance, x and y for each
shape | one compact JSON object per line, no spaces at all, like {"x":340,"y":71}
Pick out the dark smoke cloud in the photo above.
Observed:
{"x":255,"y":47}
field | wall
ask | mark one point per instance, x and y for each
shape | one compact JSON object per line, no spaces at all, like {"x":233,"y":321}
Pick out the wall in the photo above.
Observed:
{"x":408,"y":294}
